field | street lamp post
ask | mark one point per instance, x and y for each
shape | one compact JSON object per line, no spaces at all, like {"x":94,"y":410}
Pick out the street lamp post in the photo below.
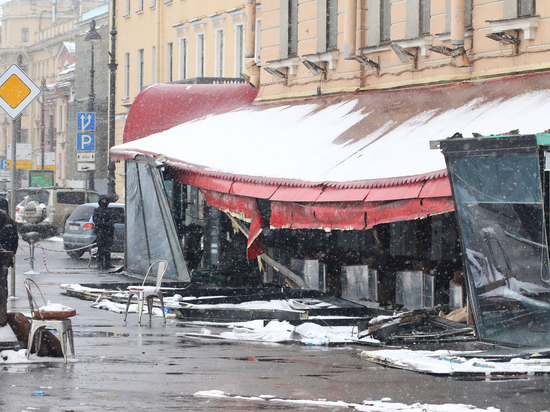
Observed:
{"x":112,"y":85}
{"x":42,"y":124}
{"x":94,"y":38}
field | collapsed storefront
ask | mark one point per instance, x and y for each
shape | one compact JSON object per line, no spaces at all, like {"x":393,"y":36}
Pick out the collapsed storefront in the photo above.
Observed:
{"x":343,"y":189}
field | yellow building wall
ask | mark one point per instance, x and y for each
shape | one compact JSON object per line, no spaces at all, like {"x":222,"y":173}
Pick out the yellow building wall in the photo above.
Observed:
{"x":487,"y":57}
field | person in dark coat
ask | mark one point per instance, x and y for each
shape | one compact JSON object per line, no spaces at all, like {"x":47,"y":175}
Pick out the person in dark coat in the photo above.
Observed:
{"x":9,"y":238}
{"x":104,"y":227}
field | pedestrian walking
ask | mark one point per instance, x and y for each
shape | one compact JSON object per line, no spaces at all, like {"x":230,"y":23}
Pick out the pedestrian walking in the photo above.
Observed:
{"x":104,"y":227}
{"x":9,"y":237}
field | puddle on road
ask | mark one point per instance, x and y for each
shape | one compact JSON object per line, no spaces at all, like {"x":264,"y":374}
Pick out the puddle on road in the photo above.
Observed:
{"x":258,"y":359}
{"x":100,"y":334}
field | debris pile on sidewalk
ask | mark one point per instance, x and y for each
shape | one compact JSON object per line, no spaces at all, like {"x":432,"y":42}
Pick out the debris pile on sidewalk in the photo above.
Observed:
{"x":420,"y":325}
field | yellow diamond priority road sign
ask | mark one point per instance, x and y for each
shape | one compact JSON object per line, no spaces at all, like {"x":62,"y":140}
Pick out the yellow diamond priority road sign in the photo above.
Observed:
{"x":17,"y":91}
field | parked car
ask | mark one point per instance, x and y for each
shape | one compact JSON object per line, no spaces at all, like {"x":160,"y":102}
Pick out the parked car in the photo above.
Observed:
{"x":46,"y":209}
{"x":79,"y":229}
{"x":19,"y":209}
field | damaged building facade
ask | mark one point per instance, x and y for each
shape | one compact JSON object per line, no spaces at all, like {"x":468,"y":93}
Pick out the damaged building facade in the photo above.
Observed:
{"x":320,"y":171}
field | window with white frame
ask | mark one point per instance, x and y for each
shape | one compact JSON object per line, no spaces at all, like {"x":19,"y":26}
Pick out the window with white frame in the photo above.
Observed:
{"x":126,"y":75}
{"x":258,"y":44}
{"x":153,"y":65}
{"x":127,"y":7}
{"x":292,"y":28}
{"x":468,"y":13}
{"x":332,"y":24}
{"x":219,"y":61}
{"x":140,"y":64}
{"x":140,"y":6}
{"x":327,"y":25}
{"x":526,"y":8}
{"x":169,"y":62}
{"x":153,"y":4}
{"x":183,"y":58}
{"x":200,"y":55}
{"x":424,"y":16}
{"x":239,"y":50}
{"x":385,"y":20}
{"x":24,"y":35}
{"x":518,"y":8}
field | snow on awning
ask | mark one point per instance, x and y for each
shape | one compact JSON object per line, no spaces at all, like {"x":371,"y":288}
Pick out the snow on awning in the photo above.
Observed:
{"x":162,"y":106}
{"x":359,"y":150}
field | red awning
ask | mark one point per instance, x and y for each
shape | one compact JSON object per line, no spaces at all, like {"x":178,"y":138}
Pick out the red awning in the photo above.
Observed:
{"x":162,"y":106}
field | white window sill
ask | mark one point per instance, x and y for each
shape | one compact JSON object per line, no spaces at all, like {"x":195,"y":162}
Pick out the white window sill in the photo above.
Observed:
{"x":526,"y":24}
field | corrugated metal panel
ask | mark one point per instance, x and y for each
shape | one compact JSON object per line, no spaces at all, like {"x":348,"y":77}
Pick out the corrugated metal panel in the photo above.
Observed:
{"x":296,"y":194}
{"x":436,"y":188}
{"x":261,"y":191}
{"x":407,"y":191}
{"x":332,"y":194}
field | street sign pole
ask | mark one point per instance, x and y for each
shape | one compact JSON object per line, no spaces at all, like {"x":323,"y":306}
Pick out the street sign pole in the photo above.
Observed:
{"x":16,"y":132}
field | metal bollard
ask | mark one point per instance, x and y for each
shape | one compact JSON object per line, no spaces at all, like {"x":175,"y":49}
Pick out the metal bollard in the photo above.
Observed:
{"x":5,"y":259}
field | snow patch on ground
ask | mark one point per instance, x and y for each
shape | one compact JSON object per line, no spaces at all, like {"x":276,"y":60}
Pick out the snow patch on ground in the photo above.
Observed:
{"x":383,"y":405}
{"x":444,"y":362}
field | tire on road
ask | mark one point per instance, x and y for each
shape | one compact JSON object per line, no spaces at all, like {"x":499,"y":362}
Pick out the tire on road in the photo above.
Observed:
{"x":75,"y":254}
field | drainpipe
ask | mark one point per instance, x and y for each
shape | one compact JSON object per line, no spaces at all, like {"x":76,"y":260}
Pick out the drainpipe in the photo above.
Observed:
{"x":458,"y":22}
{"x":350,"y":26}
{"x":250,"y":46}
{"x":66,"y":98}
{"x":458,"y":27}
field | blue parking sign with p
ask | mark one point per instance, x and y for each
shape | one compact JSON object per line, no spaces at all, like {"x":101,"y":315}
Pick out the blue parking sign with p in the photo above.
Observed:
{"x":85,"y":142}
{"x":3,"y":164}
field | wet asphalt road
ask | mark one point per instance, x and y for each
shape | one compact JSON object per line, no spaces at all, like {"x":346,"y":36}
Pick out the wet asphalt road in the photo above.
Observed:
{"x":124,"y":367}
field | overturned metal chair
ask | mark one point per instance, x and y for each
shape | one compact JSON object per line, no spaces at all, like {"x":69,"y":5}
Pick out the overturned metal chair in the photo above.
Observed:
{"x":48,"y":316}
{"x":148,"y":293}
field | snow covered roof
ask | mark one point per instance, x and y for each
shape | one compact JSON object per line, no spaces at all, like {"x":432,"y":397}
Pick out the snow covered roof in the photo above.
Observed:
{"x":364,"y":137}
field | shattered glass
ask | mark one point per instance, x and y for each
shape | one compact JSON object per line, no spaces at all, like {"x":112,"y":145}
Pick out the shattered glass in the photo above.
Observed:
{"x":501,"y":217}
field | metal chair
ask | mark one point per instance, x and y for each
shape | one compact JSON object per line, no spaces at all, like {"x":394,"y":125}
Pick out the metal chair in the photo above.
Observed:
{"x":48,"y":316}
{"x":148,"y":293}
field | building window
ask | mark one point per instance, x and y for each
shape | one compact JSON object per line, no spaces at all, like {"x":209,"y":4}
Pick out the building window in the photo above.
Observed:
{"x":126,"y":75}
{"x":60,"y":119}
{"x":332,"y":24}
{"x":526,"y":8}
{"x":258,"y":45}
{"x":140,"y":5}
{"x":153,"y":4}
{"x":127,"y":7}
{"x":140,"y":69}
{"x":183,"y":59}
{"x":424,"y":16}
{"x":24,"y":34}
{"x":239,"y":50}
{"x":385,"y":20}
{"x":468,"y":13}
{"x":153,"y":65}
{"x":169,"y":61}
{"x":200,"y":55}
{"x":292,"y":28}
{"x":219,"y":53}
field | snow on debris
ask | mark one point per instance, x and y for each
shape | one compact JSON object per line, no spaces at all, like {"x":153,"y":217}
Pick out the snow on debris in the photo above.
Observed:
{"x":383,"y":405}
{"x":307,"y":333}
{"x":445,"y":362}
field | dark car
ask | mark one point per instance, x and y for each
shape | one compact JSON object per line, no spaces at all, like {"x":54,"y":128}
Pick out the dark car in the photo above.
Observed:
{"x":79,"y":229}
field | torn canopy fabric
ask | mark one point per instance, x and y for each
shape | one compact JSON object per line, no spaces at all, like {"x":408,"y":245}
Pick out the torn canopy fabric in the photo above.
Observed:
{"x":150,"y":232}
